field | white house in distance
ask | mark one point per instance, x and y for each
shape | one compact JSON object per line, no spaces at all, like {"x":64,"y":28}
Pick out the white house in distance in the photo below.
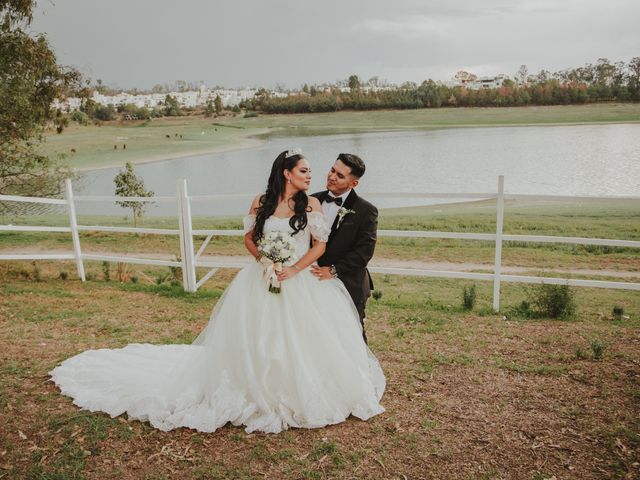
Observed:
{"x":487,"y":82}
{"x":478,"y":83}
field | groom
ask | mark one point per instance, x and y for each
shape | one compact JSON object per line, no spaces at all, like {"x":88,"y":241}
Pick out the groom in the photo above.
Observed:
{"x":354,"y":223}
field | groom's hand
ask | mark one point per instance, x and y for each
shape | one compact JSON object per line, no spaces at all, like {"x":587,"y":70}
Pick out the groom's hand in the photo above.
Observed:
{"x":322,"y":273}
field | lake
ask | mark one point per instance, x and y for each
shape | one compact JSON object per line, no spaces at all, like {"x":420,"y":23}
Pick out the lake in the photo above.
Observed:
{"x":554,"y":160}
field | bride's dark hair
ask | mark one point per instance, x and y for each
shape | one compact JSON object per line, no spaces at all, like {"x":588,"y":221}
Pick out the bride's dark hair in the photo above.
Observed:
{"x":275,"y":190}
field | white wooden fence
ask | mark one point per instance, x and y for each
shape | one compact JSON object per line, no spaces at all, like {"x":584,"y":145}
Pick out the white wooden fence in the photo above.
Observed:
{"x":191,"y":260}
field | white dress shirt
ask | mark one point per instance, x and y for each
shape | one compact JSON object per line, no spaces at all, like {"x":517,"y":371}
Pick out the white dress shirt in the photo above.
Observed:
{"x":330,"y":209}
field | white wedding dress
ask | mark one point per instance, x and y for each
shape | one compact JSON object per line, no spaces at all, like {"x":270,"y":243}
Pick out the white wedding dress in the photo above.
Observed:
{"x":267,"y":361}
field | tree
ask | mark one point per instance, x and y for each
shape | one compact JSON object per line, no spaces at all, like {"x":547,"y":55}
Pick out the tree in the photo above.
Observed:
{"x":128,"y":184}
{"x":464,"y":77}
{"x":171,"y":106}
{"x":30,"y":80}
{"x":633,"y":78}
{"x":543,"y":76}
{"x":218,"y":104}
{"x":209,"y":109}
{"x":354,"y":84}
{"x":522,"y":75}
{"x":99,"y":86}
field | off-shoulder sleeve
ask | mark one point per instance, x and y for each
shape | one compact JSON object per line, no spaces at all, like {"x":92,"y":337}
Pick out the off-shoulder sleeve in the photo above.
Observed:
{"x":249,"y":222}
{"x":318,"y":226}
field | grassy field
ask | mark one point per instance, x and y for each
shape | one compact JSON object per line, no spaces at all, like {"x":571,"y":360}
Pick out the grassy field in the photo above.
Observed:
{"x":173,"y":137}
{"x":471,"y":394}
{"x":617,"y":219}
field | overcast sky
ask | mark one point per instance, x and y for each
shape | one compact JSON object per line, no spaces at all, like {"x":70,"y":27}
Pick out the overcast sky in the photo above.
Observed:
{"x":139,"y":43}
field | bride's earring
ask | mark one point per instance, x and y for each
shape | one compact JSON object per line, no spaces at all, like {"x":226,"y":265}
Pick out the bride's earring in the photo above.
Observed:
{"x":288,"y":180}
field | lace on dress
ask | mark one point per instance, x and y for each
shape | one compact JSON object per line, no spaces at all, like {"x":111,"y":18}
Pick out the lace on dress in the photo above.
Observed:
{"x":248,"y":223}
{"x":318,"y":226}
{"x":315,"y":222}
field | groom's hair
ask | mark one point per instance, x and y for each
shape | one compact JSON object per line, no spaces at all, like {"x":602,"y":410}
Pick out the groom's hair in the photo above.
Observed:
{"x":354,"y":162}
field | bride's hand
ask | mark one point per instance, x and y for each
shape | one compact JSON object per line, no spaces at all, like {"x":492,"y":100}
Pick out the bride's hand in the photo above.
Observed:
{"x":287,"y":272}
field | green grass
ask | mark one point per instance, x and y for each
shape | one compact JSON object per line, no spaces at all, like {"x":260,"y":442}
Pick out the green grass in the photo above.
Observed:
{"x":147,"y":140}
{"x":616,"y":219}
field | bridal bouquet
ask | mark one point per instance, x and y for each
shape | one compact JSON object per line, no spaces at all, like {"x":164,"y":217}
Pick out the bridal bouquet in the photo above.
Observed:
{"x":278,"y":247}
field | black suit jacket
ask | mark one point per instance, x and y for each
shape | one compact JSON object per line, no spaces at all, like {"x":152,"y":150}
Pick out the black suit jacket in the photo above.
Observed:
{"x":351,"y":246}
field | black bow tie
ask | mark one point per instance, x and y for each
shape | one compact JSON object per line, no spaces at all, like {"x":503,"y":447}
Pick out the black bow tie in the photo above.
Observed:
{"x":337,"y":200}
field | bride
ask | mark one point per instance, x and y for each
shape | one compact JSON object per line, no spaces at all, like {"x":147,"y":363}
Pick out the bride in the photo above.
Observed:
{"x":265,"y":360}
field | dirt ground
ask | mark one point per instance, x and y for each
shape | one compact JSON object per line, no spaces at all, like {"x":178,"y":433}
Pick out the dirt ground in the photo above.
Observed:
{"x":470,"y":395}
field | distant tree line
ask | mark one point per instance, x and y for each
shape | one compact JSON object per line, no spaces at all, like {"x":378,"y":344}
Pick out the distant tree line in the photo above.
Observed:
{"x":92,"y":112}
{"x":600,"y":82}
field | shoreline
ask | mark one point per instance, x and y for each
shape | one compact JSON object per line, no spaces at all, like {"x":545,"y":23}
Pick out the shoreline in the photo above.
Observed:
{"x":247,"y":142}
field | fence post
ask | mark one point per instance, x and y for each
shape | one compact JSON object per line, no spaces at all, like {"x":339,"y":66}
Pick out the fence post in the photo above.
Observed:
{"x":498,"y":258}
{"x":73,"y":223}
{"x":186,"y":238}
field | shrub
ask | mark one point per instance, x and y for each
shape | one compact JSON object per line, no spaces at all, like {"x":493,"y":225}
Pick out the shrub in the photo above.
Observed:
{"x":64,"y":275}
{"x":581,"y":354}
{"x":176,"y":272}
{"x":106,"y":271}
{"x":250,"y":114}
{"x":597,"y":348}
{"x":161,"y":278}
{"x":80,"y":117}
{"x":90,"y":276}
{"x":618,"y":312}
{"x":376,"y":294}
{"x":36,"y":272}
{"x":554,"y":301}
{"x":469,"y":296}
{"x":134,"y":279}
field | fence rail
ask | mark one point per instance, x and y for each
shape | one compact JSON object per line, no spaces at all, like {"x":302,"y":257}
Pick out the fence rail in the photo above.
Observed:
{"x":190,"y":261}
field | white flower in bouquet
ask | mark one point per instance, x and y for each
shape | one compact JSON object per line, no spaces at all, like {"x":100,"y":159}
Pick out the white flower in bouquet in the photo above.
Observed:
{"x":279,"y":247}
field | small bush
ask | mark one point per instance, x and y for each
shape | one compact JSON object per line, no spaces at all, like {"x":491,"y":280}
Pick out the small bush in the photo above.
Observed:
{"x":618,"y":312}
{"x":36,"y":272}
{"x":134,"y":279}
{"x":106,"y":271}
{"x":90,"y":276}
{"x":176,"y":272}
{"x":80,"y":117}
{"x":161,"y":277}
{"x":64,"y":275}
{"x":469,"y":296}
{"x":554,"y":301}
{"x":597,"y":348}
{"x":525,"y":308}
{"x":251,"y":114}
{"x":581,"y":354}
{"x":376,"y":294}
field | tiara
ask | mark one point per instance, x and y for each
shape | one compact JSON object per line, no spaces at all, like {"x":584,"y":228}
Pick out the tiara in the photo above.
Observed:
{"x":292,"y":152}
